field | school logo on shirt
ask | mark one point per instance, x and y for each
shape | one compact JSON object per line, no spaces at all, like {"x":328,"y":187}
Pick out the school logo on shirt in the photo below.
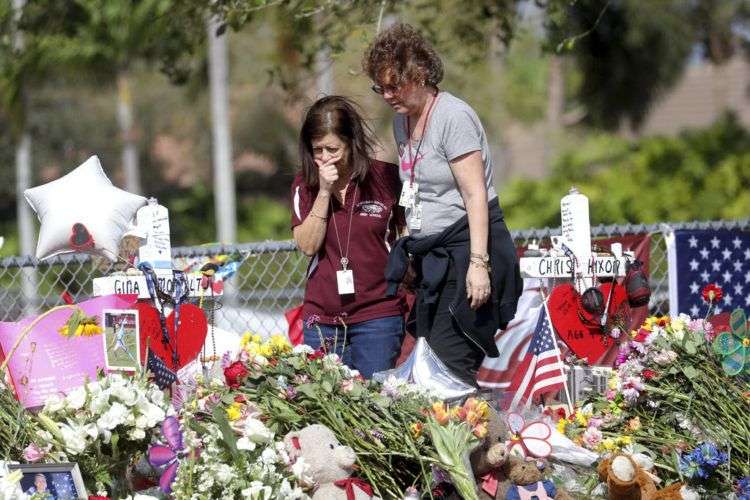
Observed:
{"x":371,"y":208}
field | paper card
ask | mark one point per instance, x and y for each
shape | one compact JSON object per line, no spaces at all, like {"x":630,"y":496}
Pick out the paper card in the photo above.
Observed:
{"x":46,"y":362}
{"x":121,"y":339}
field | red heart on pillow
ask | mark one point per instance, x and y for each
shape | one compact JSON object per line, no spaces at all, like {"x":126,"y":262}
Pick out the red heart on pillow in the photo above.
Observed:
{"x":579,"y":329}
{"x":190,"y":337}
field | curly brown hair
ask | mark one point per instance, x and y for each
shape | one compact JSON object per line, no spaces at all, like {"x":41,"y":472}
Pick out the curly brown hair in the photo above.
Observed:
{"x":403,"y":54}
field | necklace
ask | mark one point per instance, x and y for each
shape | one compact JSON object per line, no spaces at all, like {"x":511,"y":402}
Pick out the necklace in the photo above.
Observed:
{"x":345,"y":256}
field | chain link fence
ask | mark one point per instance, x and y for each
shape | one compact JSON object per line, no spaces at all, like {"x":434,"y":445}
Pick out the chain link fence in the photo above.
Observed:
{"x":271,"y":277}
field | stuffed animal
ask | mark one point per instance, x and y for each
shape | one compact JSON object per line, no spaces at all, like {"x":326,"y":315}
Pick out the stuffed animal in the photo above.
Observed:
{"x":528,"y":483}
{"x":489,"y":460}
{"x":628,"y":479}
{"x":330,"y":463}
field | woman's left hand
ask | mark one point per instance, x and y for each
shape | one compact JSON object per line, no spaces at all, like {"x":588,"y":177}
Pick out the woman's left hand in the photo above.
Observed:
{"x":477,"y":285}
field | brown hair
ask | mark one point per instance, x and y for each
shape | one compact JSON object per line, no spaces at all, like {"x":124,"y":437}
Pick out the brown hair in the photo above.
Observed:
{"x":335,"y":115}
{"x":403,"y":53}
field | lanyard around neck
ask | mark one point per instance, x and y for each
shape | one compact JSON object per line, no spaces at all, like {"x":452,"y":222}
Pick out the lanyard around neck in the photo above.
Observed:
{"x":345,"y":257}
{"x":415,"y":158}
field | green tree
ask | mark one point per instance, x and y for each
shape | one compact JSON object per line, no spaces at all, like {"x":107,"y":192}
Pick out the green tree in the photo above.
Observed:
{"x":630,"y":51}
{"x":699,"y":175}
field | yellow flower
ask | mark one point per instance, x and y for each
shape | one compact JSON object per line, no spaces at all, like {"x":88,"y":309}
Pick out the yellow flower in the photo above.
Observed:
{"x":280,"y":343}
{"x":257,"y":338}
{"x":561,"y":425}
{"x":483,"y":409}
{"x":266,"y":350}
{"x":582,"y":420}
{"x":79,"y":331}
{"x":624,"y":440}
{"x":416,"y":429}
{"x":634,"y":424}
{"x":234,"y":411}
{"x":612,"y":383}
{"x":245,"y":339}
{"x":608,"y":444}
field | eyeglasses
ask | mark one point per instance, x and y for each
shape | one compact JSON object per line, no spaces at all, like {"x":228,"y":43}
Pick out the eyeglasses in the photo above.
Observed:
{"x":382,"y":89}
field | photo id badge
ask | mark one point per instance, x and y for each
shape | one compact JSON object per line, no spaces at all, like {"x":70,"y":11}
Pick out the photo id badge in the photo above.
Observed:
{"x":415,"y":219}
{"x":408,"y":194}
{"x":345,"y":281}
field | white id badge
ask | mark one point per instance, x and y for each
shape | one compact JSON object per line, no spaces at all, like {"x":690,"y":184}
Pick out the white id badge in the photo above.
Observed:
{"x":415,"y":220}
{"x":345,"y":281}
{"x":408,"y":194}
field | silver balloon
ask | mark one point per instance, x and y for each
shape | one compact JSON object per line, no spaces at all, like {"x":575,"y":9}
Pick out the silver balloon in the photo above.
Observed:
{"x":425,"y":369}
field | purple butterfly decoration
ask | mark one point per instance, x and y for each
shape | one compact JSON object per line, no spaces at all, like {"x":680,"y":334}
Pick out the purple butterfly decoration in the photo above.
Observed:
{"x":168,"y":456}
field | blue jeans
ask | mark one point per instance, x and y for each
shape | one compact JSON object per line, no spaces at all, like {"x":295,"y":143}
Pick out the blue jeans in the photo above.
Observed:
{"x":371,"y":346}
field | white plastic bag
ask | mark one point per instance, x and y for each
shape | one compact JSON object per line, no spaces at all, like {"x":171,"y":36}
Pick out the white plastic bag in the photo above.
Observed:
{"x":425,"y":369}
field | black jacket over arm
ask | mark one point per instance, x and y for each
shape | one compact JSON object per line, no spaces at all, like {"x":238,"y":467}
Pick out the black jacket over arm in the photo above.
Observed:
{"x":432,"y":255}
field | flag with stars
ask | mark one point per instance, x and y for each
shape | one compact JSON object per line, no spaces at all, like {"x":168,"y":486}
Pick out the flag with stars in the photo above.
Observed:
{"x":163,"y":376}
{"x":700,"y":257}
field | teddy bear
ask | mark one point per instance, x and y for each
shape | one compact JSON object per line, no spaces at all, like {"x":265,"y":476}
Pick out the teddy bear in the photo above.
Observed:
{"x":628,"y":479}
{"x":489,"y":460}
{"x":527,"y":481}
{"x":330,"y":462}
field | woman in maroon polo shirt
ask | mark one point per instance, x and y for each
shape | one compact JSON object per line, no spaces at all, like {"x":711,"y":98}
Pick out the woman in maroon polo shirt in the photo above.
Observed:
{"x":345,"y":216}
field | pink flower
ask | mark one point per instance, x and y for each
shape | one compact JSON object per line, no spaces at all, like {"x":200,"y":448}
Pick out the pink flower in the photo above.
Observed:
{"x":595,"y":422}
{"x":592,"y":437}
{"x":347,"y":385}
{"x":615,"y":333}
{"x":611,"y":394}
{"x":33,"y":453}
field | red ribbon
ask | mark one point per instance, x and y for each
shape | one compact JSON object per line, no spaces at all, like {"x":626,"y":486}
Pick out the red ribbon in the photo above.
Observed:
{"x":348,"y":486}
{"x":491,"y":480}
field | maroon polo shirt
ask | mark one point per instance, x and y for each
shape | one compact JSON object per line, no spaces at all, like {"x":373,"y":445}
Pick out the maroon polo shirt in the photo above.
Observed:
{"x":375,"y":217}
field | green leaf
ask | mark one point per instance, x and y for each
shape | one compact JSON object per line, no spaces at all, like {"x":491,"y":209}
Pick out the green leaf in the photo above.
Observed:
{"x":307,"y":389}
{"x":690,"y":372}
{"x":327,"y":386}
{"x":230,"y":438}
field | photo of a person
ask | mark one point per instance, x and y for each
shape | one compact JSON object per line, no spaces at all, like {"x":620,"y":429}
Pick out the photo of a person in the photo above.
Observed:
{"x":121,"y":339}
{"x":39,"y":487}
{"x":51,"y":481}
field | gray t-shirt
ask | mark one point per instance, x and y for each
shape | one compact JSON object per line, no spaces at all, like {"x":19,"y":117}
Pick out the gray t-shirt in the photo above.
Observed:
{"x":453,"y":130}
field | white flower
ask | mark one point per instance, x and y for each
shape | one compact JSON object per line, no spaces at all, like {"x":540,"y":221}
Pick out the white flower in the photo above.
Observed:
{"x":136,"y":434}
{"x":99,"y":402}
{"x":301,"y":471}
{"x":302,"y":349}
{"x":76,"y":398}
{"x":257,"y":491}
{"x":256,"y":431}
{"x":224,"y":473}
{"x":127,"y":395}
{"x":54,"y":403}
{"x":268,"y":456}
{"x":10,"y":486}
{"x":114,"y":416}
{"x":73,"y":438}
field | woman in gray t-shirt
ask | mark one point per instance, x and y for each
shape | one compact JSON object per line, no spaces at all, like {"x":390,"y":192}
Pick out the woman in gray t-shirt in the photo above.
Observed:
{"x":446,"y":171}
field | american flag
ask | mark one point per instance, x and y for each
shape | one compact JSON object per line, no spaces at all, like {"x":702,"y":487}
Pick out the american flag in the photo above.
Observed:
{"x":163,"y":376}
{"x":541,"y":370}
{"x":700,"y":257}
{"x":513,"y":342}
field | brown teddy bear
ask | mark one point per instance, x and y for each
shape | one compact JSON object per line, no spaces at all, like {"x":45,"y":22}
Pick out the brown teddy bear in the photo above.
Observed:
{"x":628,"y":480}
{"x":527,"y":480}
{"x":489,"y":460}
{"x":330,"y":463}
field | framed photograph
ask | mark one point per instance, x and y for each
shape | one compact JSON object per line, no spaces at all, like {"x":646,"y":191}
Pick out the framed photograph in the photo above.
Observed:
{"x":121,"y":339}
{"x":52,"y":481}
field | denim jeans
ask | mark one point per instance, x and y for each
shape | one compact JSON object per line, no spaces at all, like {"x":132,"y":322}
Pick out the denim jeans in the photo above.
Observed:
{"x":371,"y":346}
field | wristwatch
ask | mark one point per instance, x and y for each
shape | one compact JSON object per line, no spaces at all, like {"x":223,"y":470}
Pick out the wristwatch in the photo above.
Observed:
{"x":484,"y":258}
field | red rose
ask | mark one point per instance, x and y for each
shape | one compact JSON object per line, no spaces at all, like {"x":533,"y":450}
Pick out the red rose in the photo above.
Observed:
{"x":642,"y":335}
{"x":316,"y":355}
{"x":561,"y":413}
{"x":240,"y":398}
{"x":648,"y":374}
{"x":712,"y":293}
{"x":234,"y":374}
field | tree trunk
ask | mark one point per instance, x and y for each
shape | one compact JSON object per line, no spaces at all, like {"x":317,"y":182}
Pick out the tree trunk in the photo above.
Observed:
{"x":127,"y":133}
{"x":324,"y":73}
{"x":224,"y":189}
{"x":555,"y":107}
{"x":26,"y":233}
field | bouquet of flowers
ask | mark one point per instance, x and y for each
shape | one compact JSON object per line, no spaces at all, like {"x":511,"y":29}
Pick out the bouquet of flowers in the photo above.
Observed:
{"x":294,"y":387}
{"x":455,"y":432}
{"x":104,"y":425}
{"x":669,"y":395}
{"x":228,"y":452}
